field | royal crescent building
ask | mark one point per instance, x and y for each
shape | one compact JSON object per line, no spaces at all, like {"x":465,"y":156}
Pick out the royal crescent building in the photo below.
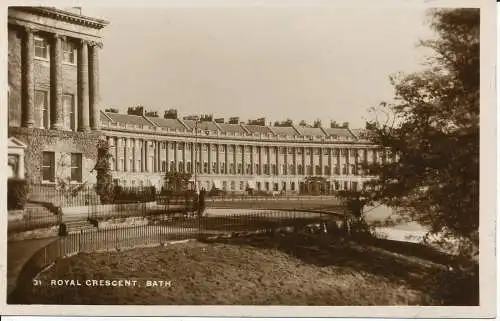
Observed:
{"x":55,"y":121}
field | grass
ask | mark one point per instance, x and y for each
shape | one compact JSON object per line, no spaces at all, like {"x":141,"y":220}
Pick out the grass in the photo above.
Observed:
{"x":285,"y":269}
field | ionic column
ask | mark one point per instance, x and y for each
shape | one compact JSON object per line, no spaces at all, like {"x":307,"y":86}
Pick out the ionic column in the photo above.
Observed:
{"x":260,"y":160}
{"x":268,"y":158}
{"x":294,"y":155}
{"x":235,"y":159}
{"x":193,"y":158}
{"x":176,"y":166}
{"x":184,"y":157}
{"x":83,"y":87}
{"x":278,"y":172}
{"x":209,"y":158}
{"x":117,"y":155}
{"x":330,"y":163}
{"x":321,"y":169}
{"x":226,"y":158}
{"x":285,"y":160}
{"x":57,"y":113}
{"x":125,"y":158}
{"x":95,"y":97}
{"x":28,"y":78}
{"x":243,"y":170}
{"x":251,"y":160}
{"x":304,"y":161}
{"x":217,"y":159}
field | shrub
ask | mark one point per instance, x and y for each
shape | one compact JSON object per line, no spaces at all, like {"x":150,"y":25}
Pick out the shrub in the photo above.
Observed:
{"x":17,"y":194}
{"x":132,"y":195}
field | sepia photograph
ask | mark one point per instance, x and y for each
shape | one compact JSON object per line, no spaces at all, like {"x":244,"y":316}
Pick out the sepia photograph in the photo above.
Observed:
{"x":249,"y":155}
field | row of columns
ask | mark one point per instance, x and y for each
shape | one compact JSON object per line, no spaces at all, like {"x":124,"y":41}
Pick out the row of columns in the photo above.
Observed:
{"x":87,"y":78}
{"x":198,"y":156}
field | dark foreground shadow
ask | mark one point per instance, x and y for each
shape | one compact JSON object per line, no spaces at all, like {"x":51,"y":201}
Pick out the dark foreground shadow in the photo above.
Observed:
{"x":415,"y":265}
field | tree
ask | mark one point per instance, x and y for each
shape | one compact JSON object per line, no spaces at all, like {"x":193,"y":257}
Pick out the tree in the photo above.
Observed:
{"x":433,"y":128}
{"x":302,"y":123}
{"x":177,"y":181}
{"x":104,"y":184}
{"x":317,"y":123}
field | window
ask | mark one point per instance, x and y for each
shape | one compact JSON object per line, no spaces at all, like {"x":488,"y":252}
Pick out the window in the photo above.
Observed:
{"x":48,"y":166}
{"x":205,"y":147}
{"x":249,"y":168}
{"x":266,"y":184}
{"x":76,"y":167}
{"x":122,"y":164}
{"x":41,"y":48}
{"x":299,"y":151}
{"x":257,"y":168}
{"x":266,"y":169}
{"x":239,"y":168}
{"x":233,"y":185}
{"x":69,"y":112}
{"x":292,"y":186}
{"x":327,"y":170}
{"x":318,"y":170}
{"x":291,"y":169}
{"x":172,"y":166}
{"x":181,"y":167}
{"x":308,"y":151}
{"x":222,"y":168}
{"x":139,"y":165}
{"x":224,"y":185}
{"x":326,"y":151}
{"x":180,"y":146}
{"x":42,"y":108}
{"x":344,"y":169}
{"x":274,"y":169}
{"x":131,"y":165}
{"x":242,"y":185}
{"x":214,"y":148}
{"x":188,"y":146}
{"x":69,"y":50}
{"x":300,"y":170}
{"x":214,"y":167}
{"x":205,"y":167}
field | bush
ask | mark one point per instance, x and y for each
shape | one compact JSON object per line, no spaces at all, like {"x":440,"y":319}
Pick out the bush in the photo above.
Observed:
{"x":17,"y":194}
{"x":133,"y":195}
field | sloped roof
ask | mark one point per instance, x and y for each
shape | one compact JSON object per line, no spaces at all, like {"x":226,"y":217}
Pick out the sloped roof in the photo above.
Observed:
{"x":173,"y":124}
{"x":258,"y":129}
{"x":232,"y":128}
{"x":339,"y":132}
{"x":128,"y":119}
{"x":284,"y":131}
{"x":310,"y":131}
{"x":203,"y":125}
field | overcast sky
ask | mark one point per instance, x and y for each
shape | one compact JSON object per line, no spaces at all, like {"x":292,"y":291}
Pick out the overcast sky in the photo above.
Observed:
{"x":299,"y":63}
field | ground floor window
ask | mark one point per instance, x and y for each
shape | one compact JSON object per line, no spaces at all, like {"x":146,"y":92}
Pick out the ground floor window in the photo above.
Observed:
{"x":292,"y":186}
{"x":267,"y":186}
{"x":48,"y":166}
{"x":76,"y":167}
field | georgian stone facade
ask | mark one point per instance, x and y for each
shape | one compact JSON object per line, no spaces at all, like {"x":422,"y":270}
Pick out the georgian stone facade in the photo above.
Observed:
{"x":53,"y":76}
{"x":234,"y":157}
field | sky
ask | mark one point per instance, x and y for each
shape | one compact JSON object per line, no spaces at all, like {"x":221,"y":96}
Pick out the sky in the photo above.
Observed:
{"x":300,"y":63}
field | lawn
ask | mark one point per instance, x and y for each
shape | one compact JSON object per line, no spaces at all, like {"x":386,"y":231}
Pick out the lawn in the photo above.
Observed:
{"x":285,"y":269}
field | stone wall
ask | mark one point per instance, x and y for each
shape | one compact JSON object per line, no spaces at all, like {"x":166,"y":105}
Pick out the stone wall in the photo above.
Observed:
{"x":62,"y":143}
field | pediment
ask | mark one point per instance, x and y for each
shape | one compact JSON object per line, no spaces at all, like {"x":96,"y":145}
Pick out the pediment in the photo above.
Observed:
{"x":16,"y":143}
